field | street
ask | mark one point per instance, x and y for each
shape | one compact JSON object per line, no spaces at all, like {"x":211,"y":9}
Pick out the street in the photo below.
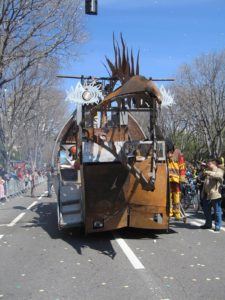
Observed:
{"x":39,"y":262}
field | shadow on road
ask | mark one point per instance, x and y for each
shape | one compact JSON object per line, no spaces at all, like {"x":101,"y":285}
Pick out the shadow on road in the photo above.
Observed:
{"x":19,"y":207}
{"x":47,"y":219}
{"x":185,"y":225}
{"x":137,"y":233}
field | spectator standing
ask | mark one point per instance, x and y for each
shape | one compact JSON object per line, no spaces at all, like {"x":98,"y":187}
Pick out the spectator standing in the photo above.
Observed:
{"x":33,"y":180}
{"x":2,"y":171}
{"x":2,"y":189}
{"x":212,"y":198}
{"x":200,"y":182}
{"x":26,"y":180}
{"x":50,"y":181}
{"x":19,"y":174}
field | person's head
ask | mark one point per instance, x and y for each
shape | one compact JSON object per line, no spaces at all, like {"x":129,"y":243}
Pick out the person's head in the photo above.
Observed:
{"x":212,"y":164}
{"x":72,"y":150}
{"x":169,"y":148}
{"x":170,"y":154}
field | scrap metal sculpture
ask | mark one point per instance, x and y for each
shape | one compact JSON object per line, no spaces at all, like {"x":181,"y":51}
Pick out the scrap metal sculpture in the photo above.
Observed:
{"x":119,"y":177}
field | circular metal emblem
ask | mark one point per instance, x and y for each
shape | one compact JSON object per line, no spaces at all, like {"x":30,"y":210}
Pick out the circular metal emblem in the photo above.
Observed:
{"x":85,"y":94}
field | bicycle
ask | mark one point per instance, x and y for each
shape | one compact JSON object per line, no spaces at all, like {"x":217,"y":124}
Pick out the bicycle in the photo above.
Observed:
{"x":190,"y":196}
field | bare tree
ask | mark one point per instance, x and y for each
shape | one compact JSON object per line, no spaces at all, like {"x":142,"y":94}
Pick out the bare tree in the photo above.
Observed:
{"x":30,"y":30}
{"x":33,"y":36}
{"x":30,"y":98}
{"x":39,"y":133}
{"x":196,"y":120}
{"x":200,"y":92}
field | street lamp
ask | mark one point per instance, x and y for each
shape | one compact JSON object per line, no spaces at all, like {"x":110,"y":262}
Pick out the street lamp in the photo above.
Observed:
{"x":91,"y":7}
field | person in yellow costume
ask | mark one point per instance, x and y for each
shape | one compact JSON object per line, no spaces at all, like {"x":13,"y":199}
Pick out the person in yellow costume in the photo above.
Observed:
{"x":176,"y":169}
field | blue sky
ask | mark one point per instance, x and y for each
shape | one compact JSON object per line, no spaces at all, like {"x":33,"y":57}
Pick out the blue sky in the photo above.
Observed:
{"x":167,"y":32}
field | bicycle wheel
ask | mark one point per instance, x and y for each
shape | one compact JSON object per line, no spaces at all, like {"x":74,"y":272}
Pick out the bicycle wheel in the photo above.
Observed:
{"x":196,"y":202}
{"x":186,"y":201}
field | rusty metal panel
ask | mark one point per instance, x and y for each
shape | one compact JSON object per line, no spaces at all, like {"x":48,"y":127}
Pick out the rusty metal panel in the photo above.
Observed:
{"x":147,"y":206}
{"x":148,"y":217}
{"x":113,"y":134}
{"x":135,"y":131}
{"x":105,"y":201}
{"x":136,"y":86}
{"x":135,"y":194}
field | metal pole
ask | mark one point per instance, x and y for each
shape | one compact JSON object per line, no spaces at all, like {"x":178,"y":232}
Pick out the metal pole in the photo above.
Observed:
{"x":108,"y":78}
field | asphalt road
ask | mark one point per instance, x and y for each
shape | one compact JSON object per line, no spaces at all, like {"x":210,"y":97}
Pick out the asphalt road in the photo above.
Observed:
{"x":39,"y":262}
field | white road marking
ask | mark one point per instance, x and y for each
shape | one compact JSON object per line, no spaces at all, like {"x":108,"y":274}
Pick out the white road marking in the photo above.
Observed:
{"x":198,"y":222}
{"x":20,"y":216}
{"x":31,"y":224}
{"x":32,"y":204}
{"x":128,"y":252}
{"x":39,"y":198}
{"x":1,"y":236}
{"x":195,"y":223}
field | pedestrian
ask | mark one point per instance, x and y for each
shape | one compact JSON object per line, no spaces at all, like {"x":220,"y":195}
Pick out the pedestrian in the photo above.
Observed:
{"x":19,"y":174}
{"x":33,"y":179}
{"x":26,"y":180}
{"x":2,"y":189}
{"x":200,"y":182}
{"x":50,"y":181}
{"x":212,"y":194}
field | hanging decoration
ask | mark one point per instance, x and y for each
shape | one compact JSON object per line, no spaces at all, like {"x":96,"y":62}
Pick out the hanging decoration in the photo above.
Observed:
{"x":88,"y":93}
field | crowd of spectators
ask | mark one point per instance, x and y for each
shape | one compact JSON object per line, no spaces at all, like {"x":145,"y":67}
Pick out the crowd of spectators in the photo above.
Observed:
{"x":17,"y":172}
{"x":21,"y":176}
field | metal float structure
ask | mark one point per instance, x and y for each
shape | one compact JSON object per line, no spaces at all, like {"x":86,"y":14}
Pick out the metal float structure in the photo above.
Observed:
{"x":117,"y":177}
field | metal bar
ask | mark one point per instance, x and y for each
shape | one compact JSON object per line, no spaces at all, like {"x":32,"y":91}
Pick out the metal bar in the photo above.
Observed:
{"x":162,"y":79}
{"x":86,"y":77}
{"x":126,"y":110}
{"x":108,"y":78}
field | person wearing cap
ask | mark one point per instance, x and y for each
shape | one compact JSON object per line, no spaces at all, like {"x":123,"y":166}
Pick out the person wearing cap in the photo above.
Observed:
{"x":211,"y":189}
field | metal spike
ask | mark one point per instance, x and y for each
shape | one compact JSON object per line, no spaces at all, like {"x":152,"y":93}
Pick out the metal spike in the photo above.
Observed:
{"x":123,"y":67}
{"x":115,"y":51}
{"x":127,"y":70}
{"x":123,"y":53}
{"x":137,"y":66}
{"x":119,"y":56}
{"x":112,"y":67}
{"x":132,"y":63}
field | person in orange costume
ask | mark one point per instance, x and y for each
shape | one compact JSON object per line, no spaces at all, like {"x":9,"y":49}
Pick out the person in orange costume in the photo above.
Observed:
{"x":176,"y":169}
